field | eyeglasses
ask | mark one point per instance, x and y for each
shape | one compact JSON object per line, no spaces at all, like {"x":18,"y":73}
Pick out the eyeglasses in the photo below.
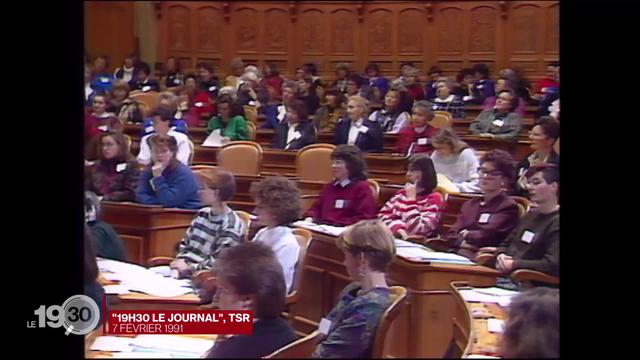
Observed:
{"x":485,"y":172}
{"x":160,"y":153}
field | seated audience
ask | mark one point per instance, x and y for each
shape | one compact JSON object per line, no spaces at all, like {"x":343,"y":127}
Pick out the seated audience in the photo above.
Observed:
{"x":118,"y":96}
{"x":277,"y":206}
{"x":88,"y":90}
{"x":486,"y":221}
{"x":534,"y":243}
{"x":465,"y":81}
{"x":482,"y":87}
{"x":532,"y":328}
{"x":237,"y":69}
{"x":327,"y":116}
{"x":169,"y":101}
{"x":229,"y":122}
{"x":167,"y":181}
{"x":96,"y":121}
{"x":208,"y":88}
{"x":348,"y":198}
{"x":454,"y":159}
{"x":289,"y":93}
{"x":501,"y":123}
{"x":297,"y":132}
{"x":368,"y":249}
{"x":430,"y":89}
{"x":356,"y":86}
{"x":378,"y":83}
{"x":162,"y":126}
{"x":125,"y":72}
{"x":173,"y":78}
{"x":142,"y":80}
{"x":343,"y":72}
{"x":405,"y":68}
{"x":215,"y":227}
{"x":356,"y":129}
{"x":114,"y":176}
{"x":549,"y":83}
{"x":249,"y":277}
{"x":248,"y":90}
{"x":307,"y":94}
{"x":101,"y":79}
{"x":416,"y":209}
{"x":395,"y":115}
{"x":106,"y":242}
{"x":545,"y":133}
{"x":503,"y":83}
{"x":446,"y":101}
{"x":415,"y":137}
{"x":311,"y":69}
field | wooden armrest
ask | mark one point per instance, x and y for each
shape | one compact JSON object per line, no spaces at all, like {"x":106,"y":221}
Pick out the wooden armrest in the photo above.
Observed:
{"x":292,"y":176}
{"x":268,"y":173}
{"x":438,"y":244}
{"x":292,"y":298}
{"x":487,"y":249}
{"x":523,"y":275}
{"x":159,"y":261}
{"x":486,"y":259}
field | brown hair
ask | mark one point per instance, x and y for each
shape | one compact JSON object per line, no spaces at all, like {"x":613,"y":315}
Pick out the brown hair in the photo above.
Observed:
{"x":502,"y":161}
{"x":281,"y":196}
{"x":424,"y":164}
{"x":549,"y":125}
{"x":158,"y":140}
{"x":120,"y":85}
{"x":354,"y":160}
{"x":222,"y":180}
{"x":121,"y":142}
{"x":372,"y":238}
{"x":447,"y":136}
{"x":533,"y":326}
{"x":252,"y":268}
{"x":299,"y":108}
{"x":515,"y":100}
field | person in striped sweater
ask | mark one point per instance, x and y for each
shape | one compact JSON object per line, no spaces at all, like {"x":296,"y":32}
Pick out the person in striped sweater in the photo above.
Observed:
{"x":416,"y":209}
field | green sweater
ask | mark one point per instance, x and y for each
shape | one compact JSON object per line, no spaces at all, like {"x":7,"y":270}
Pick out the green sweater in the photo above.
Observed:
{"x":235,"y":129}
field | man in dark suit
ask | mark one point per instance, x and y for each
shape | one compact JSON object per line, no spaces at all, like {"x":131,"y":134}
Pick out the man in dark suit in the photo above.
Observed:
{"x":356,"y":129}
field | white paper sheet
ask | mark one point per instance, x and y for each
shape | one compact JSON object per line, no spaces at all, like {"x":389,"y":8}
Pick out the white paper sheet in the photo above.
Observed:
{"x":116,"y":289}
{"x":136,"y":278}
{"x":324,"y":229}
{"x":422,"y":254}
{"x":213,"y":140}
{"x":495,"y":325}
{"x":173,"y":343}
{"x":475,"y":296}
{"x":161,"y":270}
{"x":112,"y":343}
{"x":142,"y":355}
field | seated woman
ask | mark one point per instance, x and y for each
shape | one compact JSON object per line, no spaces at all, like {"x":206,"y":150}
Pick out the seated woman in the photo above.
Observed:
{"x":173,"y":78}
{"x":169,"y":101}
{"x":125,"y":72}
{"x":486,"y":221}
{"x":504,"y":83}
{"x":544,"y":135}
{"x":166,"y":181}
{"x":348,"y":199}
{"x":289,"y":93}
{"x":356,"y":129}
{"x":416,"y":209}
{"x":297,"y":132}
{"x":453,"y":158}
{"x":482,"y":87}
{"x":272,"y":80}
{"x":501,"y":123}
{"x":446,"y":101}
{"x":327,"y":116}
{"x":395,"y":115}
{"x":464,"y":81}
{"x":368,"y":249}
{"x":307,"y":94}
{"x":415,"y":137}
{"x":215,"y":227}
{"x":377,"y":82}
{"x":97,"y":121}
{"x":532,"y":329}
{"x":115,"y":174}
{"x":142,"y":80}
{"x":430,"y":88}
{"x":356,"y":86}
{"x":106,"y":242}
{"x":534,"y":243}
{"x":248,"y":277}
{"x":278,"y":205}
{"x":342,"y":77}
{"x":117,"y":95}
{"x":232,"y":126}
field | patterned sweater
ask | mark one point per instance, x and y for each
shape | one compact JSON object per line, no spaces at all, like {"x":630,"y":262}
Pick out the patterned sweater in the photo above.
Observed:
{"x":416,"y":217}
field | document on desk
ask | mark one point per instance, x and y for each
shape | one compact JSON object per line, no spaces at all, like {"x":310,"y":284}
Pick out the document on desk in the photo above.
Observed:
{"x":134,"y":278}
{"x":475,"y":296}
{"x":162,"y":270}
{"x":495,"y":325}
{"x":213,"y":140}
{"x":173,"y":343}
{"x":116,"y":289}
{"x":112,"y":343}
{"x":421,"y":253}
{"x":324,"y":229}
{"x":142,"y":355}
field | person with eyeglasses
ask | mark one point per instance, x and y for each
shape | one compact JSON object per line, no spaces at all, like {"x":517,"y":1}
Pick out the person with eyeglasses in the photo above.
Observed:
{"x":215,"y":227}
{"x":162,"y":118}
{"x":543,"y":136}
{"x":486,"y":220}
{"x":166,"y":181}
{"x":501,"y":122}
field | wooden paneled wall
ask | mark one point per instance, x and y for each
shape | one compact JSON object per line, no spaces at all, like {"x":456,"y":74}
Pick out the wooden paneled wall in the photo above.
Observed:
{"x":109,"y":30}
{"x":453,"y":34}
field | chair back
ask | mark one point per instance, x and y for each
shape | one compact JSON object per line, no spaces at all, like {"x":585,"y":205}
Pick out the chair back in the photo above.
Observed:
{"x":246,"y":219}
{"x":398,"y":295}
{"x":192,"y":151}
{"x":241,"y":157}
{"x":441,"y":120}
{"x":556,"y":146}
{"x":251,"y":127}
{"x":313,"y":162}
{"x":304,"y":237}
{"x":462,"y":323}
{"x":250,"y":113}
{"x":150,"y":99}
{"x":523,"y":205}
{"x":299,"y":349}
{"x":127,"y":142}
{"x":375,"y":188}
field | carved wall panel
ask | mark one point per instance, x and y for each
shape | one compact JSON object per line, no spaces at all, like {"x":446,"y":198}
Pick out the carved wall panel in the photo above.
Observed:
{"x":313,"y":31}
{"x":450,"y":30}
{"x":380,"y":31}
{"x":552,"y":43}
{"x":524,"y":29}
{"x":179,"y":28}
{"x":343,"y":27}
{"x":411,"y":26}
{"x":276,"y":27}
{"x":247,"y":30}
{"x":209,"y":23}
{"x":482,"y":37}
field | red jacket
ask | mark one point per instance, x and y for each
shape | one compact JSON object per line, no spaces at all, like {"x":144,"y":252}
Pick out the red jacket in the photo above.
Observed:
{"x":545,"y":83}
{"x":344,"y":206}
{"x":416,"y":91}
{"x":202,"y":104}
{"x":93,"y":125}
{"x":408,"y":135}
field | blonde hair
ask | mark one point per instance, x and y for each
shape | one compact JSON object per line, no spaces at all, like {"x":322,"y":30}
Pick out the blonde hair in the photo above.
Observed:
{"x":171,"y":98}
{"x":372,"y":238}
{"x":362,"y":102}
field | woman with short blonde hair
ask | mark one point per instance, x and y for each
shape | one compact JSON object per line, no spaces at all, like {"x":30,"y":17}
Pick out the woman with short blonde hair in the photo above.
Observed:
{"x":453,"y":158}
{"x":356,"y":129}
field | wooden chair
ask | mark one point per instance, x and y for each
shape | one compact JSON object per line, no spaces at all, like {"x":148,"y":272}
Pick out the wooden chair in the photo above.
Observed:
{"x":462,"y":324}
{"x":299,"y":349}
{"x":246,"y":218}
{"x":398,"y":296}
{"x":251,"y":113}
{"x":150,"y":98}
{"x":527,"y":277}
{"x":313,"y":162}
{"x":251,"y":127}
{"x":192,"y":151}
{"x":127,"y":142}
{"x":206,"y":170}
{"x":441,"y":120}
{"x":241,"y":157}
{"x":375,"y":188}
{"x":304,"y":238}
{"x":523,"y":205}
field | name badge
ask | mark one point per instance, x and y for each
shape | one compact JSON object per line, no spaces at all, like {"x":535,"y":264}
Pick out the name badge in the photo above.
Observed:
{"x":146,"y":88}
{"x":212,"y":88}
{"x":480,"y":86}
{"x":324,"y":326}
{"x":484,"y":218}
{"x":527,"y":236}
{"x":199,"y":104}
{"x":544,"y":90}
{"x":121,"y":167}
{"x":363,"y":129}
{"x":252,"y":103}
{"x":104,"y":80}
{"x":498,"y":123}
{"x":340,"y":204}
{"x":148,"y":129}
{"x":423,"y":141}
{"x":177,"y":81}
{"x":281,"y":116}
{"x":297,"y":135}
{"x":434,"y":107}
{"x":103,"y":127}
{"x":178,"y":115}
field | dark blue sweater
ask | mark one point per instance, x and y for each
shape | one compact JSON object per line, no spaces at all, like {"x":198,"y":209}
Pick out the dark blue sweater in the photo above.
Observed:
{"x":176,"y":187}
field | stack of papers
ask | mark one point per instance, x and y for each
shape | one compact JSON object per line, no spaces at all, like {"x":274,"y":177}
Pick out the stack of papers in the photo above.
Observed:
{"x":323,"y":229}
{"x":416,"y":252}
{"x":494,"y":295}
{"x":213,"y":140}
{"x":136,"y":278}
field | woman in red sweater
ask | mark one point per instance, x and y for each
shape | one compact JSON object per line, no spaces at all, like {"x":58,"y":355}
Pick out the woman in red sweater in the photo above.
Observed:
{"x":416,"y":137}
{"x":416,"y":209}
{"x":97,"y":121}
{"x":348,"y":199}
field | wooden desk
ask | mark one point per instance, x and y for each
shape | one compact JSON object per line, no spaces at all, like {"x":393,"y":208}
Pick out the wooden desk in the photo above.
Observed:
{"x":424,"y":327}
{"x":147,"y":230}
{"x":138,"y":301}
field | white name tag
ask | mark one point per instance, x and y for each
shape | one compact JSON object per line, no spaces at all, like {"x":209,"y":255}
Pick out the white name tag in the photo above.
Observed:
{"x":498,"y":123}
{"x":467,"y":98}
{"x":252,"y":103}
{"x":177,"y":81}
{"x":544,"y":90}
{"x":121,"y":167}
{"x":146,"y":88}
{"x":527,"y":236}
{"x":148,"y":129}
{"x":281,"y":116}
{"x":104,"y":80}
{"x":324,"y":326}
{"x":363,"y":129}
{"x":178,"y":115}
{"x":422,"y":141}
{"x":199,"y":104}
{"x":480,"y":86}
{"x":103,"y":127}
{"x":297,"y":135}
{"x":339,"y":204}
{"x":212,"y":88}
{"x":484,"y":218}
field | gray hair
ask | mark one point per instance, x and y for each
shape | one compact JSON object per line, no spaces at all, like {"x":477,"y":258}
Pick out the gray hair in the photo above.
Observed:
{"x":425,"y":105}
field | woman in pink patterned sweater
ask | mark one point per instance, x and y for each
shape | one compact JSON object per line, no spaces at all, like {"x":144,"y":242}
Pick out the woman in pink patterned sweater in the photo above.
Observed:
{"x":416,"y":209}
